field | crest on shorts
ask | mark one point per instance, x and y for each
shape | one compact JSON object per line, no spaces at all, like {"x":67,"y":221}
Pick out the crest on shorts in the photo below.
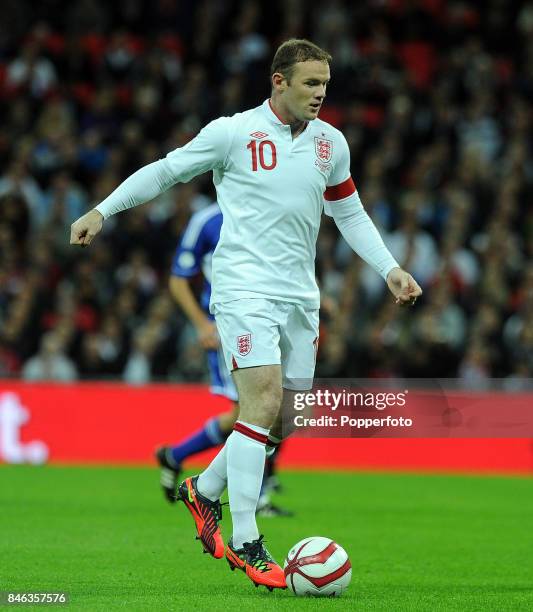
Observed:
{"x":244,"y":344}
{"x":323,"y":149}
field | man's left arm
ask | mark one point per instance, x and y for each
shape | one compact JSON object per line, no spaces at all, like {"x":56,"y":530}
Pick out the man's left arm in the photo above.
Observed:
{"x":344,"y":205}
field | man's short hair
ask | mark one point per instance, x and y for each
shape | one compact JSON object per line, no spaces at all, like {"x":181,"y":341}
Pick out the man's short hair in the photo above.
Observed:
{"x":293,"y":51}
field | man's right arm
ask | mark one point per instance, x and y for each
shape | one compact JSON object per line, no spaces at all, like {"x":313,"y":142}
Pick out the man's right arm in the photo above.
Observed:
{"x":207,"y":151}
{"x":142,"y":186}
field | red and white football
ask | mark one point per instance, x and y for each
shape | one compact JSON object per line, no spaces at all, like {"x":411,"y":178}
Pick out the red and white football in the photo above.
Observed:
{"x":319,"y":567}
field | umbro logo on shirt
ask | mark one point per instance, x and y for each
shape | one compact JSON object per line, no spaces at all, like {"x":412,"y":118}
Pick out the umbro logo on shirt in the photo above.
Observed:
{"x":258,"y":135}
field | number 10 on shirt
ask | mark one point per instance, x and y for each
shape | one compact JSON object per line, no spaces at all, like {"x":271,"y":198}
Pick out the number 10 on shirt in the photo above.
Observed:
{"x":252,"y":145}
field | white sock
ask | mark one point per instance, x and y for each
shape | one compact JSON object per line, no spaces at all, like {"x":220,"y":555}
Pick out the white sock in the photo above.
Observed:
{"x":246,"y":464}
{"x":214,"y":479}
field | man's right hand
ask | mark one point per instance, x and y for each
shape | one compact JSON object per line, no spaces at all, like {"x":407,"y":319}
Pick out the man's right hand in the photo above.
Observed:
{"x":208,"y":335}
{"x":85,"y":228}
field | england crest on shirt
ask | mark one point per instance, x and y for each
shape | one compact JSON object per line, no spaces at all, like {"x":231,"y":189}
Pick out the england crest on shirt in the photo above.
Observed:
{"x":323,"y":149}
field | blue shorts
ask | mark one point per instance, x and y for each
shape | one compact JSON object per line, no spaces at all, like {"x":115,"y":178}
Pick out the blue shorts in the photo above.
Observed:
{"x":221,"y":380}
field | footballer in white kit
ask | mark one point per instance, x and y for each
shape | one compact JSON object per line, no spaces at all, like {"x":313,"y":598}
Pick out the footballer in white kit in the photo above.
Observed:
{"x":276,"y":168}
{"x":272,"y":190}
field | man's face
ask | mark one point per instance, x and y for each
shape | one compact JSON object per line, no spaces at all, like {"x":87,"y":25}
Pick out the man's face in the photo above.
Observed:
{"x":304,"y":95}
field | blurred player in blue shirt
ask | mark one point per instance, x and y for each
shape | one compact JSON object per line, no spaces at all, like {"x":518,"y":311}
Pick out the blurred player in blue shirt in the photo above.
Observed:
{"x":193,"y":256}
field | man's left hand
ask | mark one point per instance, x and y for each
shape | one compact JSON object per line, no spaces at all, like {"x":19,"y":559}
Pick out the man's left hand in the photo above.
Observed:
{"x":403,"y":286}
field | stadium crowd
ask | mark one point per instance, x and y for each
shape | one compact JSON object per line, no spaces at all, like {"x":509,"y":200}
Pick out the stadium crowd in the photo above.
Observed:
{"x":432,"y":96}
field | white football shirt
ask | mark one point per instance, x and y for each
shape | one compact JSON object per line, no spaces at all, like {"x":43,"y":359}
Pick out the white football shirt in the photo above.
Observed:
{"x":270,"y":189}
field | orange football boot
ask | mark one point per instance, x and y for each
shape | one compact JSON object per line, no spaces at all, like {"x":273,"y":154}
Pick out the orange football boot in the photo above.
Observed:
{"x":257,"y":563}
{"x":206,"y":514}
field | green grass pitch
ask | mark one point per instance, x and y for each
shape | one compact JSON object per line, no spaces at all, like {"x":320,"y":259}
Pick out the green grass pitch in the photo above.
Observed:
{"x":416,"y":542}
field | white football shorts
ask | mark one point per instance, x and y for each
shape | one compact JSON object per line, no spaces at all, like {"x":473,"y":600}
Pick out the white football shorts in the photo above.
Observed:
{"x":258,"y":331}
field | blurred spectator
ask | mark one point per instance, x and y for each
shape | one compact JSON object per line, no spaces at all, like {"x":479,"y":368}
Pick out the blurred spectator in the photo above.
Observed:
{"x":413,"y":248}
{"x":31,"y":71}
{"x":18,"y":181}
{"x":138,"y":368}
{"x":50,"y":363}
{"x":63,"y":202}
{"x":474,"y":369}
{"x":137,"y":274}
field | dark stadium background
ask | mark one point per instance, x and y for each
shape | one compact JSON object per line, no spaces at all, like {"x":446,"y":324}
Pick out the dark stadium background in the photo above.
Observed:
{"x":433,"y":97}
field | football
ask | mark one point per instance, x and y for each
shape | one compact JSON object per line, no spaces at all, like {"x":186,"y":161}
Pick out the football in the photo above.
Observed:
{"x":318,"y":567}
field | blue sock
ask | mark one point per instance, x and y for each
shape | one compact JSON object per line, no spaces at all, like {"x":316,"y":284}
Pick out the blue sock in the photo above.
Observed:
{"x":210,"y":435}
